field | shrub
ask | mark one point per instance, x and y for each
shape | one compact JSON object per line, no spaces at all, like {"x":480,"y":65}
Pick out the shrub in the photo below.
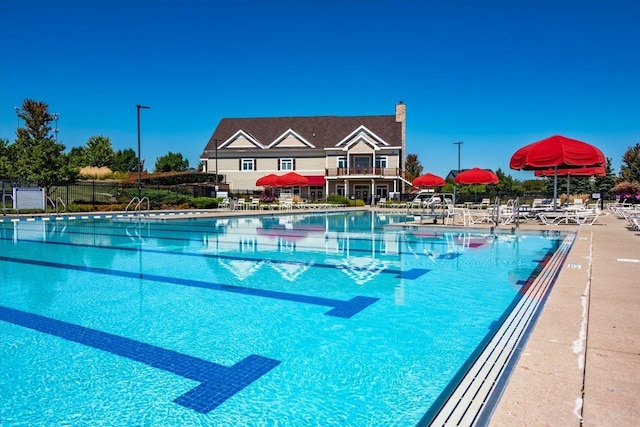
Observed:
{"x":205,"y":202}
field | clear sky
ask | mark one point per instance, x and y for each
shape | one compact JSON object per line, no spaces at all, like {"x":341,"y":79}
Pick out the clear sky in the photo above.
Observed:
{"x":495,"y":75}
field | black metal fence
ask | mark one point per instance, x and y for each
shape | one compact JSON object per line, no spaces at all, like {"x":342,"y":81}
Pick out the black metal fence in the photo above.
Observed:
{"x":106,"y":192}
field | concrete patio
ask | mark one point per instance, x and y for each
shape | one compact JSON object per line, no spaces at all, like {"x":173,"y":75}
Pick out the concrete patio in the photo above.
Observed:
{"x":581,"y":365}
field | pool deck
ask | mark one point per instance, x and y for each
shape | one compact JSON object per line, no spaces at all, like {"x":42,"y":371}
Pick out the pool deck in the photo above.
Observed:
{"x":581,"y":363}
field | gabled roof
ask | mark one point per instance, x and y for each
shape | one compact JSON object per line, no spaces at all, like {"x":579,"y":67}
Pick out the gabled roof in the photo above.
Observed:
{"x":315,"y":131}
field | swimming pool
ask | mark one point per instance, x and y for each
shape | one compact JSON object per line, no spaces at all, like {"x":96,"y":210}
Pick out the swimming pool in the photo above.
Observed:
{"x":319,"y":319}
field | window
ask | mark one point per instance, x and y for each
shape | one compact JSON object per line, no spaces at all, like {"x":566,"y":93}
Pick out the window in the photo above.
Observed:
{"x":247,"y":164}
{"x":286,"y":164}
{"x":342,"y":162}
{"x":381,"y":162}
{"x":361,"y":161}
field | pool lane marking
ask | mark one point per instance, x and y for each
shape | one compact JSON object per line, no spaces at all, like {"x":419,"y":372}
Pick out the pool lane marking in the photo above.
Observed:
{"x":217,"y":382}
{"x":344,"y":309}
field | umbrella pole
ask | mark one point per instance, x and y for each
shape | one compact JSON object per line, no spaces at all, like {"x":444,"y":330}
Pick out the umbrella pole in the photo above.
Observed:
{"x":555,"y":186}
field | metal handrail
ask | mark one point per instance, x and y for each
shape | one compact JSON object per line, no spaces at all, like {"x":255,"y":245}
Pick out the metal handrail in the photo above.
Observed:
{"x":142,"y":201}
{"x":4,"y":208}
{"x":135,"y":199}
{"x":138,"y":204}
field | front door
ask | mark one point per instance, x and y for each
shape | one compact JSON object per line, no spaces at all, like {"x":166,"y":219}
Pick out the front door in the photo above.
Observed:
{"x":361,"y":192}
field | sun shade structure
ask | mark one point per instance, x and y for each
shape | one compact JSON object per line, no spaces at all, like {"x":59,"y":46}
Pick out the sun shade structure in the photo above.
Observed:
{"x":476,"y":176}
{"x":267,"y":180}
{"x":428,"y":180}
{"x":557,"y":152}
{"x":291,"y":179}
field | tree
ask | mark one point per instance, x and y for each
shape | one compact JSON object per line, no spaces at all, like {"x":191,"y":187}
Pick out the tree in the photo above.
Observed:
{"x":630,"y":169}
{"x":125,"y":161}
{"x":412,"y":167}
{"x":172,"y":162}
{"x":604,"y":184}
{"x":99,"y":152}
{"x":78,"y":157}
{"x":36,"y":155}
{"x":5,"y":158}
{"x":507,"y":184}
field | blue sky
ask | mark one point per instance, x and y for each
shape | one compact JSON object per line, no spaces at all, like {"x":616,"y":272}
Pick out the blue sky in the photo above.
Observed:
{"x":495,"y":75}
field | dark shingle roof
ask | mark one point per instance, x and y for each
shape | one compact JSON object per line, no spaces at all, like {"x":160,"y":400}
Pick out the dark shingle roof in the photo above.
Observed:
{"x":328,"y":130}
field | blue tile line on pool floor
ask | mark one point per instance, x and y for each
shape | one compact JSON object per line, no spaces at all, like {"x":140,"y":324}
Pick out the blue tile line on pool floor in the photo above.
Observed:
{"x":217,"y":382}
{"x":345,"y":309}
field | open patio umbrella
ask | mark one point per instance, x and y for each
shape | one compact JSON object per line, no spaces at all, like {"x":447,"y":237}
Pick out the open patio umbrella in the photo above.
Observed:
{"x":569,"y":172}
{"x":428,"y":180}
{"x":557,"y":152}
{"x":267,"y":180}
{"x":476,"y":176}
{"x":291,"y":179}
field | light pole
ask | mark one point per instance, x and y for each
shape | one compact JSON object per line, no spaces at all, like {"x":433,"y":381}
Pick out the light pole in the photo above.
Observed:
{"x":454,"y":185}
{"x":18,"y":111}
{"x":138,"y":107}
{"x":56,"y":116}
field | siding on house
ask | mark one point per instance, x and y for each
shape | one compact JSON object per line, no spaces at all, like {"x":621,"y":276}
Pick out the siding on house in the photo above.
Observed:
{"x":316,"y":145}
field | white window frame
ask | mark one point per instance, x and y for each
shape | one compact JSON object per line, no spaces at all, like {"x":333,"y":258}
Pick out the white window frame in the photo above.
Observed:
{"x":382,"y":162}
{"x":248,"y":164}
{"x":288,"y":161}
{"x":341,"y":162}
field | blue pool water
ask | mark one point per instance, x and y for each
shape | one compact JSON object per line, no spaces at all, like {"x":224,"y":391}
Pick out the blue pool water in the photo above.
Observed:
{"x":322,"y":319}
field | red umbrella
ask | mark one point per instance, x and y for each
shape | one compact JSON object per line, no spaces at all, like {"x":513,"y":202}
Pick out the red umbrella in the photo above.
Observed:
{"x":267,"y":180}
{"x":428,"y":180}
{"x":556,"y":152}
{"x":291,"y":179}
{"x":476,"y":176}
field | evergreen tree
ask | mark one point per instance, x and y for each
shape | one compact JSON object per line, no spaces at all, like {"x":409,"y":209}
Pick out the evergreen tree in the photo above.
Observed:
{"x":37,"y":157}
{"x":99,"y":152}
{"x":412,"y":167}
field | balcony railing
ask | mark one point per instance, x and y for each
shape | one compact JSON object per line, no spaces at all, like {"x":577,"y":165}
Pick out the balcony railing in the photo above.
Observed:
{"x":373,"y":172}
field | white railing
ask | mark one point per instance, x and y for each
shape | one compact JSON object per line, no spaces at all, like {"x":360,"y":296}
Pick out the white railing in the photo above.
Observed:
{"x":138,"y":205}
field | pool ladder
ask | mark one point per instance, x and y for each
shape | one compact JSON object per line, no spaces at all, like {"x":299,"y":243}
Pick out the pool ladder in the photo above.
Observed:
{"x":138,"y":205}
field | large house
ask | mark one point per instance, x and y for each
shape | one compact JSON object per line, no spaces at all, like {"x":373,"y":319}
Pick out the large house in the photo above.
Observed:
{"x":359,"y":156}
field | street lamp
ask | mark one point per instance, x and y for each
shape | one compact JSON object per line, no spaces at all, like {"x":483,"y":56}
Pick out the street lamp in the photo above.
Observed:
{"x":18,"y":111}
{"x":454,"y":185}
{"x":138,"y":107}
{"x":56,"y":116}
